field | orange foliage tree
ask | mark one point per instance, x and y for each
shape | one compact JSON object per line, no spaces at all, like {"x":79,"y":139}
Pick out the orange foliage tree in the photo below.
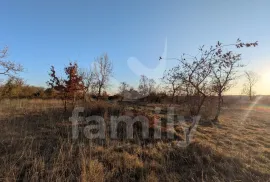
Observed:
{"x":67,"y":88}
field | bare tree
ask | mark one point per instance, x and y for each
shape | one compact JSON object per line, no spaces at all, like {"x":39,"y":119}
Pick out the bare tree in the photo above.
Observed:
{"x":102,"y":72}
{"x":123,"y":88}
{"x":144,"y":85}
{"x":194,"y":72}
{"x":173,"y":82}
{"x":225,"y":65}
{"x":251,"y":79}
{"x":88,"y":80}
{"x":151,"y":86}
{"x":210,"y":70}
{"x":8,"y":68}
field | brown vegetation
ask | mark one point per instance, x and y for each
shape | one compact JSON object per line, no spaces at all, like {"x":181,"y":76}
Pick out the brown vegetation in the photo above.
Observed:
{"x":36,"y":145}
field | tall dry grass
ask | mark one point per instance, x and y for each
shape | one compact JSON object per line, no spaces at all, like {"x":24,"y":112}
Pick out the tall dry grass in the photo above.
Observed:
{"x":36,"y":145}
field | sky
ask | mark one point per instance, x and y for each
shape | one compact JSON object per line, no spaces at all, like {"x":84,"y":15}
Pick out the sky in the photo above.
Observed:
{"x":133,"y":33}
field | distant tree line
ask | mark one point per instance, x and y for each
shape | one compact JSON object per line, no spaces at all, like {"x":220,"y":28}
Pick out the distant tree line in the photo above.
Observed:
{"x":211,"y":72}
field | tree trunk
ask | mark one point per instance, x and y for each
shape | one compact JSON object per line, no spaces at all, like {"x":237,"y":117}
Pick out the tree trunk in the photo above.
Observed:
{"x":201,"y":104}
{"x":74,"y":99}
{"x":173,"y":97}
{"x":84,"y":97}
{"x":64,"y":99}
{"x":65,"y":105}
{"x":250,"y":93}
{"x":218,"y":107}
{"x":99,"y":91}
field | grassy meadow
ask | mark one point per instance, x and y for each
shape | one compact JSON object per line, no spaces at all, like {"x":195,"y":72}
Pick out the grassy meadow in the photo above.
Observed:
{"x":36,"y":145}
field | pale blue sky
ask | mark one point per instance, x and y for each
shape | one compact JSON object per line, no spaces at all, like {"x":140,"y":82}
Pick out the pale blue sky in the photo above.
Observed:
{"x":43,"y":33}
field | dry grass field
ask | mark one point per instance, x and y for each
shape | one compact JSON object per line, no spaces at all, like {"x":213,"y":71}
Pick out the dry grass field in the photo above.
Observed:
{"x":134,"y":91}
{"x":36,"y":145}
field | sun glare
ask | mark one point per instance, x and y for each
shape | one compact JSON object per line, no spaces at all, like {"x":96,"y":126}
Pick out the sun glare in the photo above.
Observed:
{"x":266,"y":77}
{"x":264,"y":84}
